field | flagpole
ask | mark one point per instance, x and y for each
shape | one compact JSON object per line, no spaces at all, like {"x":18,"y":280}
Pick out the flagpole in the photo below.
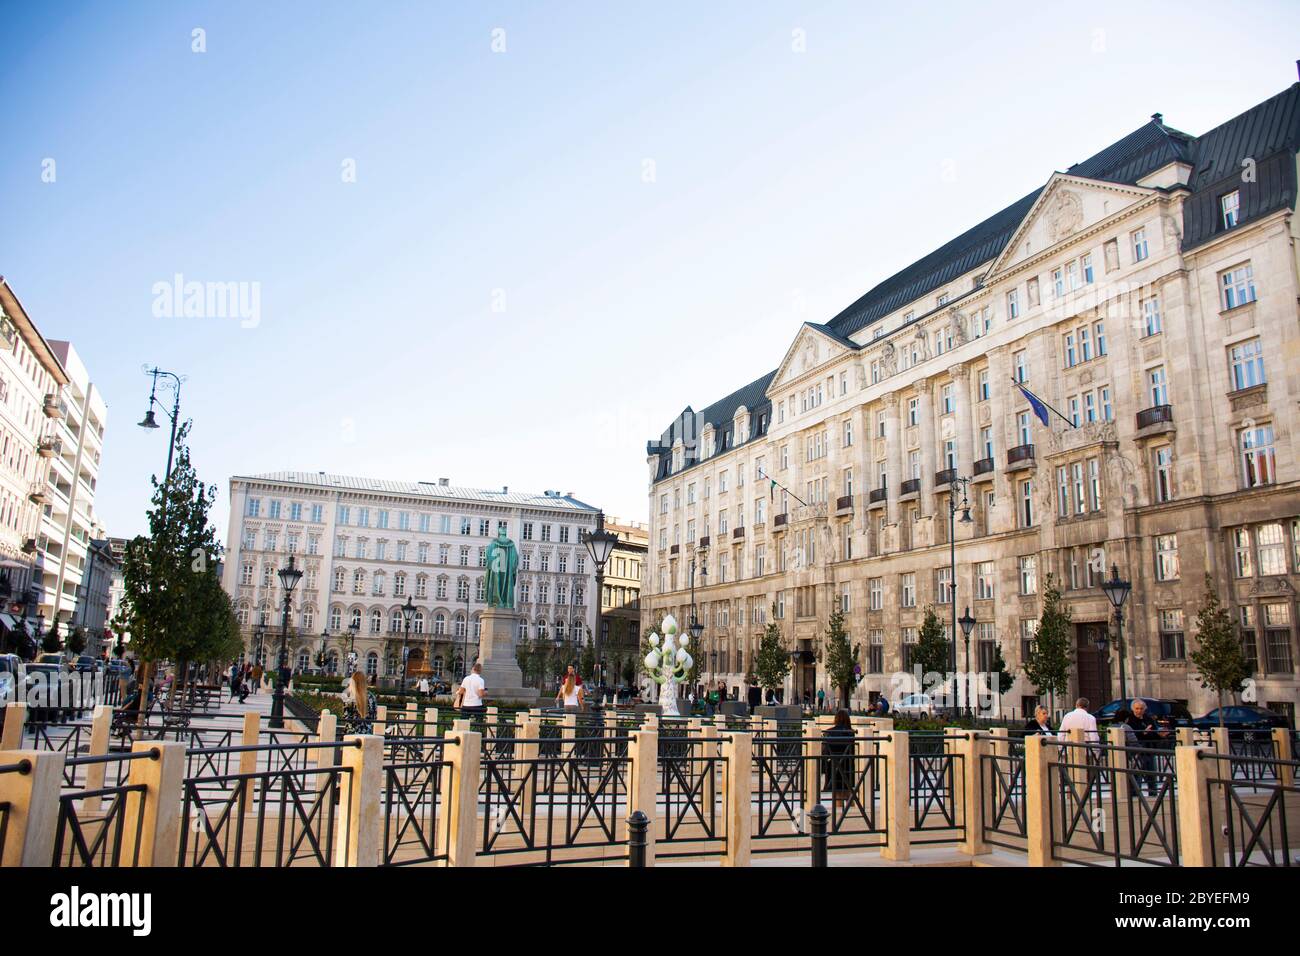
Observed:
{"x":1045,"y":403}
{"x":777,"y":484}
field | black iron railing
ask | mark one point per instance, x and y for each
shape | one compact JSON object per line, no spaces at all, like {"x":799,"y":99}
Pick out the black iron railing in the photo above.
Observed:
{"x":1250,"y":822}
{"x":416,"y":826}
{"x":692,"y":781}
{"x":1002,"y":804}
{"x":107,"y":831}
{"x":935,"y":788}
{"x":1155,"y":415}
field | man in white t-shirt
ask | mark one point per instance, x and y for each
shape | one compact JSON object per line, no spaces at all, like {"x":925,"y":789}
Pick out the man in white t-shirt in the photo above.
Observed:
{"x":1080,"y":719}
{"x":471,"y":691}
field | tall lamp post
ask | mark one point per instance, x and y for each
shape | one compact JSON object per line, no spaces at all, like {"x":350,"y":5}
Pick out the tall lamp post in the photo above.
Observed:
{"x":290,"y":574}
{"x":408,"y":612}
{"x":1117,"y":590}
{"x":175,"y":414}
{"x":1102,"y":643}
{"x":696,"y":627}
{"x":967,"y":625}
{"x":600,"y":545}
{"x":958,"y":486}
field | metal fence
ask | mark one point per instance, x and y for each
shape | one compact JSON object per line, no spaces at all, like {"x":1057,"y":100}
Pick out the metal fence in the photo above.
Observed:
{"x":936,"y":788}
{"x":1253,"y":810}
{"x":693,"y":777}
{"x":102,"y":826}
{"x":417,"y":779}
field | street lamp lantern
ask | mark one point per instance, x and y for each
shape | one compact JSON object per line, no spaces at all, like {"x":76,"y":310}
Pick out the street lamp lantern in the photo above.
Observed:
{"x":600,"y":545}
{"x":289,"y":575}
{"x":967,"y":623}
{"x":408,"y":612}
{"x":151,"y":423}
{"x":696,"y":628}
{"x":149,"y":420}
{"x":1117,"y":590}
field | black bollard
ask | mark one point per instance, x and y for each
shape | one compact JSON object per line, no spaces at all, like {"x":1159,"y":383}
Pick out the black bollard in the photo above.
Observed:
{"x":817,"y":818}
{"x":638,"y":826}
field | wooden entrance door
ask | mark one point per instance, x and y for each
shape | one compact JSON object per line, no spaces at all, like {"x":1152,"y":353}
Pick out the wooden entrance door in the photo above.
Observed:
{"x":1092,"y":670}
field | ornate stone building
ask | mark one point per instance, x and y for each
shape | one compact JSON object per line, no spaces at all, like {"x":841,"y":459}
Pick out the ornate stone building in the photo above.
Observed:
{"x":1148,"y":293}
{"x":620,"y":601}
{"x":366,"y":546}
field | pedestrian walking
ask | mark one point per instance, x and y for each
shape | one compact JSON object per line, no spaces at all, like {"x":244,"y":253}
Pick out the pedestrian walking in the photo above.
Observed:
{"x":821,"y":699}
{"x":234,"y":680}
{"x":837,"y":751}
{"x":1147,"y":735}
{"x":1080,"y":719}
{"x":571,"y":693}
{"x":1039,"y":723}
{"x":469,"y":696}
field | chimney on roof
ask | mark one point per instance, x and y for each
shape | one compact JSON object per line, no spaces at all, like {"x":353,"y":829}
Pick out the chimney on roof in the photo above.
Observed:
{"x":444,"y":482}
{"x":1158,"y":118}
{"x":505,"y":489}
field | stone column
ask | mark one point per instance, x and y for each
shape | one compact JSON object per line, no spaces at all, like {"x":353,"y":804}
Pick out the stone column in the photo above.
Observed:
{"x":359,"y":837}
{"x":33,"y":799}
{"x":972,"y":750}
{"x":929,"y":441}
{"x":737,"y":755}
{"x":158,"y":841}
{"x":15,"y":717}
{"x":1194,"y":808}
{"x":1282,"y":747}
{"x":896,"y":793}
{"x":641,"y":791}
{"x":1040,"y":754}
{"x":896,"y":465}
{"x":1000,"y":518}
{"x":100,"y":725}
{"x":1119,"y":765}
{"x":460,"y":795}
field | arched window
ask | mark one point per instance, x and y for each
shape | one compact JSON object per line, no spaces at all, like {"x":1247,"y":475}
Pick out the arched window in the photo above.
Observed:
{"x":243,"y":615}
{"x":480,"y":591}
{"x":376,"y":621}
{"x":336,"y":618}
{"x":417,"y":624}
{"x":541,"y":629}
{"x":462,"y":589}
{"x":523,"y":630}
{"x":304,"y":660}
{"x":439,"y":624}
{"x":478,"y":629}
{"x":560,"y":631}
{"x":332,"y":662}
{"x":460,"y":625}
{"x":372,"y":664}
{"x":395,"y":623}
{"x":355,"y":622}
{"x":359,"y":581}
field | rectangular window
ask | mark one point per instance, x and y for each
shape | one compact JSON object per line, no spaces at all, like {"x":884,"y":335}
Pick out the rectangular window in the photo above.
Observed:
{"x":1247,"y":362}
{"x":1140,"y":249}
{"x":1063,"y":492}
{"x":1238,"y":286}
{"x":1247,"y":635}
{"x":1171,"y":635}
{"x":1166,"y":557}
{"x":907,"y":588}
{"x":1151,"y":316}
{"x":1094,"y":484}
{"x":1270,"y":541}
{"x":1243,"y":560}
{"x":943,"y":585}
{"x":1026,"y":510}
{"x":984,"y":581}
{"x":1021,"y":364}
{"x":876,"y":594}
{"x":1013,"y":304}
{"x":1029,"y":574}
{"x":1076,"y":475}
{"x":1099,"y":336}
{"x":1277,"y":638}
{"x":1071,"y":358}
{"x":1158,"y":386}
{"x":1256,"y":456}
{"x":1230,"y":207}
{"x":1164,"y":473}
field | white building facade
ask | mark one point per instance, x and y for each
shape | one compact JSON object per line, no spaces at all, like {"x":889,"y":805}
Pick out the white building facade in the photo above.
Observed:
{"x":367,"y":546}
{"x":1150,"y":294}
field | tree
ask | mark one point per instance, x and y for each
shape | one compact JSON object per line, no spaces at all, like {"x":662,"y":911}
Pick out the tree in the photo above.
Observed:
{"x":76,"y":639}
{"x":1048,"y":663}
{"x":1219,"y":659}
{"x":841,"y":657}
{"x":932,"y":651}
{"x":772,"y":662}
{"x":50,"y":640}
{"x":175,"y":607}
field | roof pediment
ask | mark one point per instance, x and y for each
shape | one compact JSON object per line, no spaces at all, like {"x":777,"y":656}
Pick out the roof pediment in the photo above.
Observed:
{"x":814,"y":346}
{"x":1067,"y":206}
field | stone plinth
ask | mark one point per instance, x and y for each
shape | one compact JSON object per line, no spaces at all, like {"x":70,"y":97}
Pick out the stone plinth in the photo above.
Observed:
{"x":501,"y":675}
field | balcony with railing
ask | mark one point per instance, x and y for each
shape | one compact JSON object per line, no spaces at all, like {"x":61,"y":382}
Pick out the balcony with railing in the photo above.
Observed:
{"x":945,"y":477}
{"x":738,"y":532}
{"x":1020,"y":457}
{"x":1156,"y":420}
{"x":983,"y":468}
{"x":55,"y":407}
{"x":37,"y":493}
{"x":911,"y":487}
{"x":780,"y":521}
{"x":877,"y":497}
{"x":844,"y":505}
{"x":703,"y":543}
{"x":49,"y":447}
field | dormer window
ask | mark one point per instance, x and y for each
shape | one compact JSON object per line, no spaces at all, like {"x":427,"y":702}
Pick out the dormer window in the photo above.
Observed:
{"x":1230,"y":206}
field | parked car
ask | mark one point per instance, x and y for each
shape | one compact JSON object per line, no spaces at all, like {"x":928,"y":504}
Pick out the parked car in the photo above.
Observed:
{"x":13,"y":679}
{"x":57,"y":660}
{"x":117,"y":668}
{"x":1242,"y":717}
{"x":86,"y":664}
{"x":914,"y":704}
{"x":1167,"y":713}
{"x":44,"y":692}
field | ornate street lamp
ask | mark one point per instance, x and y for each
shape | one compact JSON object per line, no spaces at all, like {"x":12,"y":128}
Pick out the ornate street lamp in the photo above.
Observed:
{"x":600,"y":545}
{"x":174,"y":415}
{"x":967,"y":625}
{"x":1117,"y":590}
{"x":408,"y":612}
{"x":1102,"y":644}
{"x":958,"y":487}
{"x":290,"y":575}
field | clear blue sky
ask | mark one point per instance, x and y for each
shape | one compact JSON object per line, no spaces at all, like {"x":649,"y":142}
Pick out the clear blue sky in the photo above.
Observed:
{"x":786,"y":184}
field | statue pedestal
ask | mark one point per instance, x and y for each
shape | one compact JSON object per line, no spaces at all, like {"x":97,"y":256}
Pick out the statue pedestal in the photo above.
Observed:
{"x":501,"y":676}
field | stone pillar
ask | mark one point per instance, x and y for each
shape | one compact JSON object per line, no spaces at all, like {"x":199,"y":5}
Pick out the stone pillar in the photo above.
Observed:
{"x":1194,"y":807}
{"x":895,"y":464}
{"x":380,"y":726}
{"x":501,"y":675}
{"x":528,"y":730}
{"x":972,"y":750}
{"x":643,"y":748}
{"x":33,"y":799}
{"x":929,"y":445}
{"x":1077,"y":755}
{"x":965,"y":418}
{"x":15,"y":718}
{"x":812,"y":764}
{"x":460,"y":795}
{"x":1222,"y":741}
{"x":100,"y":726}
{"x":1185,"y":736}
{"x":360,"y":833}
{"x":737,"y":754}
{"x":1119,"y":765}
{"x":158,"y":841}
{"x":1040,"y":754}
{"x":1282,"y":747}
{"x":898,"y":805}
{"x":1001,"y":742}
{"x":327,"y":731}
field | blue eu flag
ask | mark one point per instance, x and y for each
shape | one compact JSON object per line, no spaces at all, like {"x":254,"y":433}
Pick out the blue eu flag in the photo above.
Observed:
{"x":1035,"y":403}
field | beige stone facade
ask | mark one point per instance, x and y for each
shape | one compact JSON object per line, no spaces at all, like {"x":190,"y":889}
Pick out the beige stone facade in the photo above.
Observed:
{"x":1150,"y":295}
{"x":620,"y":600}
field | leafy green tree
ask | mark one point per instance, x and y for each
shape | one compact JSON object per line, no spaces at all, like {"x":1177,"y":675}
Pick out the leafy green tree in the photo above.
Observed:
{"x":841,"y":656}
{"x":1003,"y":677}
{"x":1218,"y":659}
{"x":50,"y":642}
{"x":933,"y":649}
{"x":76,"y":639}
{"x":173,"y":602}
{"x":1048,"y":663}
{"x":772,"y":662}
